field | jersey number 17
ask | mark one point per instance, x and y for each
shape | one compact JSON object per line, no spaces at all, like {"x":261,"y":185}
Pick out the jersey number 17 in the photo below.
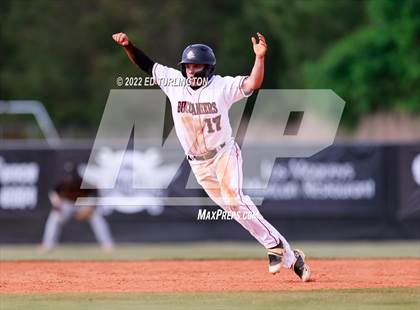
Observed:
{"x":211,"y":121}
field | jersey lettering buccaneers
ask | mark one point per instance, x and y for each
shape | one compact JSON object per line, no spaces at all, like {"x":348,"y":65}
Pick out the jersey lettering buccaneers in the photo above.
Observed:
{"x":200,"y":116}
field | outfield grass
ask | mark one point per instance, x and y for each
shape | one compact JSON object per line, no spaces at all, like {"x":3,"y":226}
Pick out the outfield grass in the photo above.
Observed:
{"x":392,"y":299}
{"x":210,"y":250}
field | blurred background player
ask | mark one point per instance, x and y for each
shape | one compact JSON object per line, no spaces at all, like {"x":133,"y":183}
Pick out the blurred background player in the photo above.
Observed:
{"x":63,"y":198}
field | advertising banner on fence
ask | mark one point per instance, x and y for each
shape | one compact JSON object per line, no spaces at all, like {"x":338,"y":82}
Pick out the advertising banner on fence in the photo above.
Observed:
{"x":341,"y":183}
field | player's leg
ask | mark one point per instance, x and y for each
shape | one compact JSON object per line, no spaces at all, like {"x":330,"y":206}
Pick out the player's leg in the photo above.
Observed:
{"x":229,"y":172}
{"x":206,"y":177}
{"x":55,"y":222}
{"x":231,"y":198}
{"x":101,"y":230}
{"x":51,"y":231}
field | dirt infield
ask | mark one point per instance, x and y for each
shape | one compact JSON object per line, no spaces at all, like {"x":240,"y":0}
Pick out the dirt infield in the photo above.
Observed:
{"x":201,"y":275}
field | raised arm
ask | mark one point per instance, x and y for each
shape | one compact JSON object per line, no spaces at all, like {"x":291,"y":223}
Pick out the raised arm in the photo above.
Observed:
{"x":255,"y":79}
{"x":136,"y":55}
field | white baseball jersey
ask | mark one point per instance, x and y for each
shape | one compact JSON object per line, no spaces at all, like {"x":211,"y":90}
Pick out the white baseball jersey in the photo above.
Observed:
{"x":200,"y":116}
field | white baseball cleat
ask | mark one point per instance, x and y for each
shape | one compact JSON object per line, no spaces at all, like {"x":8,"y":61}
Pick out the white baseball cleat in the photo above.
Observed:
{"x":300,"y":267}
{"x":275,"y":259}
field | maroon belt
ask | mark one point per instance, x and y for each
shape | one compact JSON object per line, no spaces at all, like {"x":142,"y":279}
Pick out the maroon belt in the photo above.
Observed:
{"x":206,"y":156}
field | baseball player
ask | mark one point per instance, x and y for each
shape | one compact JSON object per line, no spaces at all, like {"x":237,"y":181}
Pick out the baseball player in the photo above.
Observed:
{"x":200,"y":113}
{"x":62,"y":199}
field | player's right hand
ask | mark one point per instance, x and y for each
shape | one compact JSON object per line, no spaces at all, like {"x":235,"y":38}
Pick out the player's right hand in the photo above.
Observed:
{"x":121,"y":38}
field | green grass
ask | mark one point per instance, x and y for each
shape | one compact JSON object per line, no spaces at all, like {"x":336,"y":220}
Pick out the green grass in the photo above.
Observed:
{"x":392,"y":299}
{"x":210,"y":250}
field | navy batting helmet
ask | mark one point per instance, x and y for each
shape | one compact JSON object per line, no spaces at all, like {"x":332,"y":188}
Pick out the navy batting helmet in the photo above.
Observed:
{"x":200,"y":54}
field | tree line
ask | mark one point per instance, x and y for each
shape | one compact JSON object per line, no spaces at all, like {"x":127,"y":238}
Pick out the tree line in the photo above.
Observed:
{"x":61,"y":52}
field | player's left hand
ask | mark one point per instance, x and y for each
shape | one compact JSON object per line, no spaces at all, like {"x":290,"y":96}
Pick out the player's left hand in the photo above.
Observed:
{"x":260,"y":48}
